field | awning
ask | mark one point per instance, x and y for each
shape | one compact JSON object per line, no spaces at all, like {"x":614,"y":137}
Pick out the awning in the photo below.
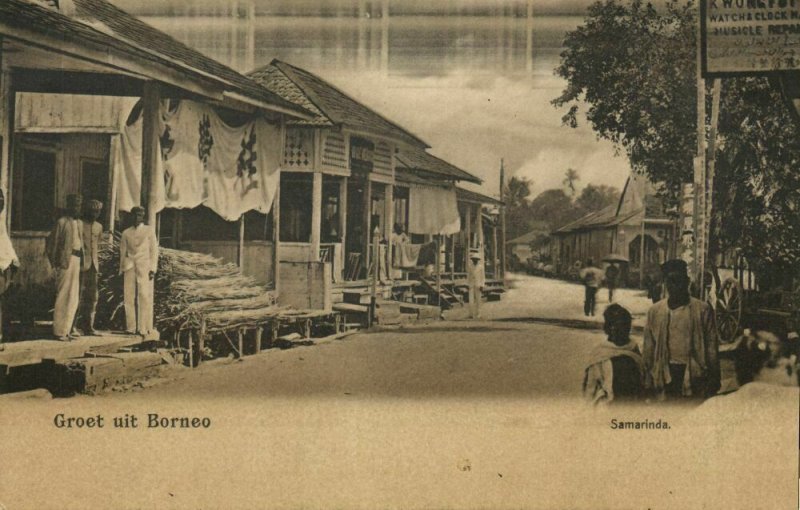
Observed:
{"x":433,"y":210}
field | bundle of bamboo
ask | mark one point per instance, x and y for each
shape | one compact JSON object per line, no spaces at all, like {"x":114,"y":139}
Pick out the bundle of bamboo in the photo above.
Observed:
{"x":189,"y":288}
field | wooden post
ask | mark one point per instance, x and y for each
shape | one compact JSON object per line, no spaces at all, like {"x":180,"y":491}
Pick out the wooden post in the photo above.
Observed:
{"x":388,"y":227}
{"x":343,"y":223}
{"x":240,"y":335}
{"x":276,"y":240}
{"x":468,"y":232}
{"x":316,"y":214}
{"x":502,"y":221}
{"x":711,"y":158}
{"x":259,"y":330}
{"x":201,"y":341}
{"x":191,"y":349}
{"x":641,"y":247}
{"x":700,"y":166}
{"x":151,"y":99}
{"x":438,"y":270}
{"x":241,"y":243}
{"x":373,"y":297}
{"x":494,"y":253}
{"x":7,"y":107}
{"x":452,"y":258}
{"x":481,"y":240}
{"x":367,"y":219}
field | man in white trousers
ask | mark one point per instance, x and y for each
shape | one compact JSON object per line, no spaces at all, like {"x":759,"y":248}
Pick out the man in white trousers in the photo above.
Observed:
{"x":476,"y":281}
{"x":138,"y":263}
{"x":64,"y":249}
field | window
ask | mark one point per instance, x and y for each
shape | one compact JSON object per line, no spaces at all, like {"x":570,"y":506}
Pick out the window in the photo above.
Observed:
{"x":257,"y":226}
{"x":296,"y":191}
{"x":34,"y":178}
{"x":401,"y":208}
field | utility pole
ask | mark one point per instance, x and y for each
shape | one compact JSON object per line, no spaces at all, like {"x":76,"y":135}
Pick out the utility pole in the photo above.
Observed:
{"x":502,"y":220}
{"x":700,"y":168}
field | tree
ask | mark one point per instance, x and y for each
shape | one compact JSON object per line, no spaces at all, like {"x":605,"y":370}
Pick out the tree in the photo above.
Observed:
{"x":518,"y":217}
{"x":595,"y":197}
{"x":635,"y":68}
{"x":554,"y":207}
{"x":570,"y":176}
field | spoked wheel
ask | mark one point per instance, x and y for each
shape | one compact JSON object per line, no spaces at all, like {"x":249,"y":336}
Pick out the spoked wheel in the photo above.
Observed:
{"x":728,"y":309}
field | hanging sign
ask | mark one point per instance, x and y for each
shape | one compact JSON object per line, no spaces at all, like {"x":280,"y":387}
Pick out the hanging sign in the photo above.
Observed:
{"x":750,"y":36}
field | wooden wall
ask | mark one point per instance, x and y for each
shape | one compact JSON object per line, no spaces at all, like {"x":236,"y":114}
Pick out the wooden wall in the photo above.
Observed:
{"x":306,"y":285}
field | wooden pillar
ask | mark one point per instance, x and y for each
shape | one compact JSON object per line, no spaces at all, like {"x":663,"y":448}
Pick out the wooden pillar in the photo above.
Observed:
{"x":389,"y":225}
{"x":479,"y":226}
{"x":316,"y":214}
{"x":259,"y":331}
{"x":151,"y":99}
{"x":641,"y":252}
{"x":7,"y":105}
{"x":201,"y":341}
{"x":367,"y":219}
{"x":468,"y":232}
{"x":502,"y":222}
{"x":240,"y":335}
{"x":494,"y":252}
{"x":276,"y":239}
{"x":241,"y":243}
{"x":343,"y":223}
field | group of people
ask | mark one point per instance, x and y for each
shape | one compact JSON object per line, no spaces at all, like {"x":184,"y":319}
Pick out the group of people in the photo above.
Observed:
{"x":73,"y":251}
{"x":679,"y":359}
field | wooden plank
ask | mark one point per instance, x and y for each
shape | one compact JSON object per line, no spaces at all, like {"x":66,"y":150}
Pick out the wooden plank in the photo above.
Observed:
{"x":32,"y":352}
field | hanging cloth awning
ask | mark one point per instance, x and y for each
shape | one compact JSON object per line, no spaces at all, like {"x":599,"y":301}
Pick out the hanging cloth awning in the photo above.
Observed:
{"x":433,"y":210}
{"x":230,"y":170}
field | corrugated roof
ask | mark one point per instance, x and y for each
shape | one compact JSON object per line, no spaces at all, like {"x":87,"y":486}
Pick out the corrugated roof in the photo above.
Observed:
{"x":466,"y":195}
{"x":419,"y":160}
{"x":101,"y":23}
{"x":335,"y":105}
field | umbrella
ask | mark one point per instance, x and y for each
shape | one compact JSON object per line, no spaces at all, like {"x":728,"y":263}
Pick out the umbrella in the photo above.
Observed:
{"x":615,"y":257}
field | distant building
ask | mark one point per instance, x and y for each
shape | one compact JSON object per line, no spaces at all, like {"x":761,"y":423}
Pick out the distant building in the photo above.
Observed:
{"x":617,"y":231}
{"x":529,"y":244}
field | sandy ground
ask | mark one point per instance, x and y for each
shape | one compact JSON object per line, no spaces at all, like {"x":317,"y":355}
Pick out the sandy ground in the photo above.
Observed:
{"x":453,"y":414}
{"x":537,"y":297}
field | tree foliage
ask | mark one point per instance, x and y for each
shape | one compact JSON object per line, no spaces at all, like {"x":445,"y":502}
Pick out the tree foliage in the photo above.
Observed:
{"x":634,"y":67}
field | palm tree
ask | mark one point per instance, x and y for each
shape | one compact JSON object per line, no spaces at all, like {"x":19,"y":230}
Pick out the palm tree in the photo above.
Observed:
{"x":570,"y":176}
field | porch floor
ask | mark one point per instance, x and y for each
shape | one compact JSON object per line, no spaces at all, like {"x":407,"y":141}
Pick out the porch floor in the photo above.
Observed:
{"x":32,"y":352}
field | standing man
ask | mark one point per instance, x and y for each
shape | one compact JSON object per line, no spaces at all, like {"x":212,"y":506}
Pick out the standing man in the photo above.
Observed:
{"x":612,"y":278}
{"x":8,"y":264}
{"x":591,"y":277}
{"x":64,"y":249}
{"x":680,"y":341}
{"x":92,"y":235}
{"x":138,"y":263}
{"x":476,"y":281}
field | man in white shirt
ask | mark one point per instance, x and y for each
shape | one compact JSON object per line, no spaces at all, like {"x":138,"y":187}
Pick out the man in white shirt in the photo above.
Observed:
{"x":64,"y":250}
{"x":138,"y":263}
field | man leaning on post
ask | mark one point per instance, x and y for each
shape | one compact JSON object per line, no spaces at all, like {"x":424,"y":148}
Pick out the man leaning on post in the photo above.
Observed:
{"x":138,"y":263}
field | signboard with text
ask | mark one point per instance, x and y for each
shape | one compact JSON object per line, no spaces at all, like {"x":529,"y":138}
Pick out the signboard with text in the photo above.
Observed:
{"x":750,"y":36}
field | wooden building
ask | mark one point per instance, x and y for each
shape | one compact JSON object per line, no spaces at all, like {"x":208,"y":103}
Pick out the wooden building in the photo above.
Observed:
{"x":348,"y":176}
{"x":69,"y":70}
{"x":637,"y":229}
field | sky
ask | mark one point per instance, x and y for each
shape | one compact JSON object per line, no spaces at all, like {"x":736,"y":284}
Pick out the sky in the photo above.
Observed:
{"x":477,"y":89}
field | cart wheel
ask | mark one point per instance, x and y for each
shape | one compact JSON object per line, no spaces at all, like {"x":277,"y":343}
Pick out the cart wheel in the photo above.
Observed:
{"x":728,"y":310}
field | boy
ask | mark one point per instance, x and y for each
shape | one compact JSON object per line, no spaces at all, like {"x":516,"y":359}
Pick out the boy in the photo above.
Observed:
{"x":616,"y":370}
